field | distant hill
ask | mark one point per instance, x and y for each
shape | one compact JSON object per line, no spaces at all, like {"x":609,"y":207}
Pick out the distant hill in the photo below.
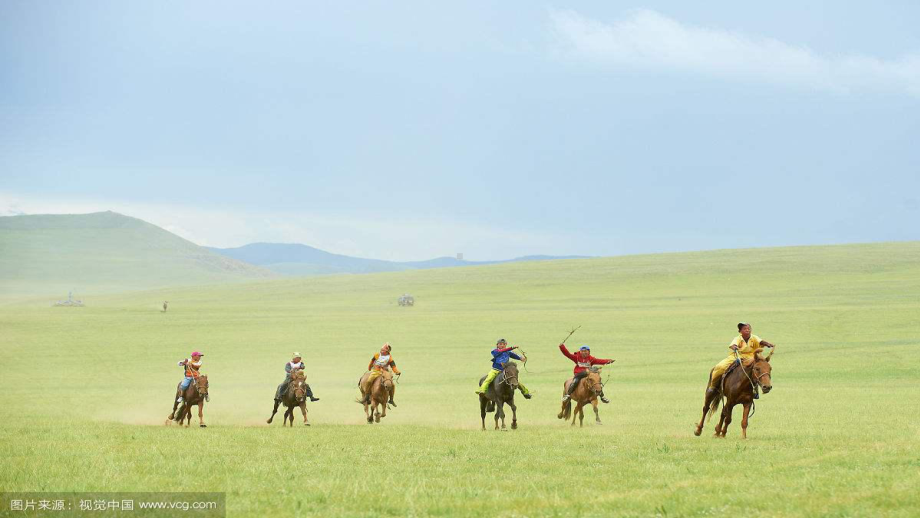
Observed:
{"x":104,"y":251}
{"x":297,"y":259}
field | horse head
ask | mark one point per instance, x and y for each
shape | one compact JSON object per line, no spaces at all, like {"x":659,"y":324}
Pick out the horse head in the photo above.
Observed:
{"x":387,"y":377}
{"x":510,"y":375}
{"x":761,"y":370}
{"x":300,"y":388}
{"x":593,"y":380}
{"x":202,"y":385}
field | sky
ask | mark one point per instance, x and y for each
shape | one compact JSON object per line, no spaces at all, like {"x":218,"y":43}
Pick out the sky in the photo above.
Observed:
{"x":411,"y":130}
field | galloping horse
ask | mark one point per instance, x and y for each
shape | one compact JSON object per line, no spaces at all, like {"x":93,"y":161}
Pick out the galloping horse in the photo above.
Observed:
{"x":195,"y":394}
{"x":738,"y":388}
{"x":380,"y":392}
{"x":501,"y":391}
{"x":586,"y":392}
{"x":295,"y":396}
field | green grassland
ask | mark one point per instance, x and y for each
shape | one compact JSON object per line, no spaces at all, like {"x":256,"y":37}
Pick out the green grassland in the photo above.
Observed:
{"x":84,"y":391}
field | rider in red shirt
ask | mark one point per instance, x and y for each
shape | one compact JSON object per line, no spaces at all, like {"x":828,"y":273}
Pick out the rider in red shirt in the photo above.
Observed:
{"x":583,"y":361}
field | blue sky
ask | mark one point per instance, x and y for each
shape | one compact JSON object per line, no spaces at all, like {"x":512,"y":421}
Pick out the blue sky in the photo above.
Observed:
{"x":408,"y":130}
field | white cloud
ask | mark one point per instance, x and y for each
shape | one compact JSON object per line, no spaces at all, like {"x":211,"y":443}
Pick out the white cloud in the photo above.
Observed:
{"x":647,"y":39}
{"x":405,"y":239}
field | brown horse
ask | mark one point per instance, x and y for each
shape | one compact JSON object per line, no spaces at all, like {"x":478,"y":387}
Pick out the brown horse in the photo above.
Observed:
{"x":295,"y":396}
{"x":379,"y":392}
{"x":738,"y":388}
{"x":586,"y":392}
{"x":501,"y":391}
{"x":195,"y":394}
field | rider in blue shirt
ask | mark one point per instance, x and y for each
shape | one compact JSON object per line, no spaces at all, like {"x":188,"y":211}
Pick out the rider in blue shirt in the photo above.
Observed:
{"x":501,"y":355}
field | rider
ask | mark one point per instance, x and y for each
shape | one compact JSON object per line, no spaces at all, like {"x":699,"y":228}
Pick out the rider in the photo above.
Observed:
{"x":296,"y":364}
{"x":745,"y":346}
{"x":583,"y":361}
{"x":500,"y":356}
{"x":192,"y":366}
{"x":380,"y":362}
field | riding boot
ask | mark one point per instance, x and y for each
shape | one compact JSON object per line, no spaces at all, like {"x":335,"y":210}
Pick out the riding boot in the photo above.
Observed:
{"x":391,"y":402}
{"x":310,"y":394}
{"x":568,"y":392}
{"x":180,"y":399}
{"x":604,"y":398}
{"x":756,"y":393}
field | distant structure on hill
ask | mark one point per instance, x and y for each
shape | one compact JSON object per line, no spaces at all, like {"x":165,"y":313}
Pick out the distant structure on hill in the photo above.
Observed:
{"x":406,"y":300}
{"x":459,"y":256}
{"x":70,"y":302}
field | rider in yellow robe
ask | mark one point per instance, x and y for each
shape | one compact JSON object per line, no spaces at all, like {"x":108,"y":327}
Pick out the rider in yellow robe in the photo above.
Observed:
{"x":745,"y":344}
{"x":380,"y":362}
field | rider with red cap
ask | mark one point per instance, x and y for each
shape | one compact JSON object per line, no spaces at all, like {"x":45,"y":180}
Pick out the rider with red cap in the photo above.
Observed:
{"x":583,"y":361}
{"x":192,"y":366}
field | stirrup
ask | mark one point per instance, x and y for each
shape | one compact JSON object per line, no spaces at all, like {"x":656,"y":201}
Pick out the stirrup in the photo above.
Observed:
{"x":566,"y":398}
{"x":604,"y":400}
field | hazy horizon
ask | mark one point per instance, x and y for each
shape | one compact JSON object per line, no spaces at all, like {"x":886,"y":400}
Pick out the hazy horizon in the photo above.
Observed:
{"x":414,"y":130}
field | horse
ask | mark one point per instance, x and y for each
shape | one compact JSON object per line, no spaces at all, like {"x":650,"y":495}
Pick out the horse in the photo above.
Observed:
{"x":587,"y":391}
{"x":738,"y":388}
{"x":294,"y":396}
{"x":379,"y":391}
{"x":195,"y":394}
{"x":501,"y":391}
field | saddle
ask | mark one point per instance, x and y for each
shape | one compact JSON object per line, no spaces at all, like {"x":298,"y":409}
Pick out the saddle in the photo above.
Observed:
{"x":734,"y":365}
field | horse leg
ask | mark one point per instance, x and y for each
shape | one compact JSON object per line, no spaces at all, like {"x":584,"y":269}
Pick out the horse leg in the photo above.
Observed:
{"x":188,"y":415}
{"x":744,"y":420}
{"x":175,"y":404}
{"x":369,"y":413}
{"x":513,"y":414}
{"x":201,"y":414}
{"x":482,"y":410}
{"x":274,"y":411}
{"x":498,"y":413}
{"x":597,"y":416}
{"x":303,"y":409}
{"x":728,"y":417}
{"x":707,"y":400}
{"x":721,"y":424}
{"x":383,"y":409}
{"x":575,"y":413}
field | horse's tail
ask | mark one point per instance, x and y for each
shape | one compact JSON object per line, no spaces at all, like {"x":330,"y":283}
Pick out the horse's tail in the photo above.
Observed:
{"x":714,"y":406}
{"x":566,"y":411}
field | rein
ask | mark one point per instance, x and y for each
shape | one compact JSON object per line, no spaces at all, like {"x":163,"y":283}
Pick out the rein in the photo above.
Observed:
{"x":746,"y":375}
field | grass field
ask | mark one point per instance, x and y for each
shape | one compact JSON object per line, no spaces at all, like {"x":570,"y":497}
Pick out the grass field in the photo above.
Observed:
{"x":84,"y":391}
